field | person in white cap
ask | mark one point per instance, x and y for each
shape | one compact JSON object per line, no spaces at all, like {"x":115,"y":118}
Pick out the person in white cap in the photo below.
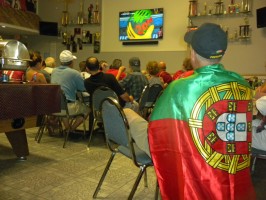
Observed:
{"x":259,"y":126}
{"x":70,"y":81}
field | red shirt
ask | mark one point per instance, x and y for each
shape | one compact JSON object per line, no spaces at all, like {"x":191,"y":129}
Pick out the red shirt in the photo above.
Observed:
{"x":114,"y":72}
{"x":167,"y":78}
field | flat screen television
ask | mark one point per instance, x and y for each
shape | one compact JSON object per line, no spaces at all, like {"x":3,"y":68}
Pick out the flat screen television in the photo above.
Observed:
{"x":143,"y":24}
{"x":48,"y":28}
{"x":261,"y":17}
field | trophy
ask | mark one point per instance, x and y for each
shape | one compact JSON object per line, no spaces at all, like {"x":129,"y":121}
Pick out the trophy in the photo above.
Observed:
{"x":244,"y":29}
{"x":193,"y":8}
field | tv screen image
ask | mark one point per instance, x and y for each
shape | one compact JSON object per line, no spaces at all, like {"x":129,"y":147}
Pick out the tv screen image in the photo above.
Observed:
{"x":48,"y":28}
{"x":144,"y":24}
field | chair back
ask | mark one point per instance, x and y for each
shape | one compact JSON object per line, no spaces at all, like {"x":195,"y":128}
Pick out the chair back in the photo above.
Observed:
{"x":63,"y":104}
{"x":154,"y":92}
{"x":148,"y":98}
{"x":115,"y":123}
{"x":98,"y":96}
{"x":144,"y":97}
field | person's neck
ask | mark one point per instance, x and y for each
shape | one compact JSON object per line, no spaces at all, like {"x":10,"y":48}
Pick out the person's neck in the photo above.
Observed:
{"x":94,"y":72}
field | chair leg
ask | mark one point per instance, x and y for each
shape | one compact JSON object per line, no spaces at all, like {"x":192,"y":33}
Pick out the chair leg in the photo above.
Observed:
{"x":253,"y":165}
{"x":104,"y":174}
{"x":157,"y":191}
{"x":66,"y":137}
{"x":41,"y":129}
{"x":92,"y":128}
{"x":145,"y":179}
{"x":84,"y":127}
{"x":135,"y":186}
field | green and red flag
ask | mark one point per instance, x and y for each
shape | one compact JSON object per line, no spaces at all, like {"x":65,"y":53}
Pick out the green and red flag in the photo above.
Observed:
{"x":200,"y":137}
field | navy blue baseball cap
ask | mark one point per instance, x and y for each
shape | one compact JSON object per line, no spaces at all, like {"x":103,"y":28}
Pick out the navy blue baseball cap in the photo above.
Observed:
{"x":209,"y":40}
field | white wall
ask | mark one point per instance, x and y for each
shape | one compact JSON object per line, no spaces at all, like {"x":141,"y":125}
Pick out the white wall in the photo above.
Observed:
{"x":248,"y":57}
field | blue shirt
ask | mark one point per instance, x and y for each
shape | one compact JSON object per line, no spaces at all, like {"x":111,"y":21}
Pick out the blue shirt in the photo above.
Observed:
{"x":69,"y":79}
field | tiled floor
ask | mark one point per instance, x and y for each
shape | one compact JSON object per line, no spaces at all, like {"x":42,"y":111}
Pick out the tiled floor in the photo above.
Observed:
{"x":54,"y":173}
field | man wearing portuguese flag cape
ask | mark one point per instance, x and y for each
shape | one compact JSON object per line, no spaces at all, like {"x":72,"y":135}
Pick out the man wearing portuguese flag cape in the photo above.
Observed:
{"x":200,"y":129}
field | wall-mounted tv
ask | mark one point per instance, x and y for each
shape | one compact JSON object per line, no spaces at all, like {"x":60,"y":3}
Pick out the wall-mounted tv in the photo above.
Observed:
{"x":48,"y":28}
{"x":143,"y":24}
{"x":261,"y":17}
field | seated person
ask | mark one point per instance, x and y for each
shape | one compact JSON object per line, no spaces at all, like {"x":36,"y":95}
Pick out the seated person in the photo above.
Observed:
{"x":114,"y":68}
{"x":187,"y":70}
{"x":49,"y":65}
{"x":70,"y":82}
{"x":259,"y":125}
{"x":83,"y":72}
{"x":153,"y":69}
{"x":167,"y":78}
{"x":33,"y":73}
{"x":138,"y":129}
{"x":135,"y":81}
{"x":103,"y":66}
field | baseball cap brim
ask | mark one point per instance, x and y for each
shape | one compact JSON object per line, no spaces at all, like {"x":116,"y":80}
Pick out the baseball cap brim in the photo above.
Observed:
{"x":188,"y":36}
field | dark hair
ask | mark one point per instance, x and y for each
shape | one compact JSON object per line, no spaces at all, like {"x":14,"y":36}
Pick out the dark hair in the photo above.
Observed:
{"x":116,"y":64}
{"x":82,"y":66}
{"x":92,"y":64}
{"x":67,"y":63}
{"x":35,"y":57}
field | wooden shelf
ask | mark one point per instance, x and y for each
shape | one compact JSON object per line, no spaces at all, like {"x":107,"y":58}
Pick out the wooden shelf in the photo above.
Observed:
{"x":18,"y":21}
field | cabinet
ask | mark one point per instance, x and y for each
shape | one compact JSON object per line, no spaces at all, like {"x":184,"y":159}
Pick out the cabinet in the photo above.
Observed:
{"x":233,"y":16}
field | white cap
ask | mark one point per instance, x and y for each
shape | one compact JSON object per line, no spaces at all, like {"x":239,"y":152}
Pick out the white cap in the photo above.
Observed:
{"x":261,"y":105}
{"x":66,"y":56}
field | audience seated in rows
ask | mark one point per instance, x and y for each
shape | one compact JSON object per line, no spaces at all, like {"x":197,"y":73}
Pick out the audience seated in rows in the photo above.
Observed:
{"x":99,"y":78}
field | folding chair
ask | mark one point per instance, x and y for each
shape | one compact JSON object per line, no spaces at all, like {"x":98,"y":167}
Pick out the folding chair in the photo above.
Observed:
{"x":148,"y":98}
{"x":256,"y":153}
{"x":98,"y":95}
{"x":63,"y":114}
{"x":119,"y":141}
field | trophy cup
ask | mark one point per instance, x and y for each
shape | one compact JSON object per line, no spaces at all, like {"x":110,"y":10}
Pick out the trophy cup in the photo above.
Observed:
{"x":244,"y":29}
{"x":193,"y":8}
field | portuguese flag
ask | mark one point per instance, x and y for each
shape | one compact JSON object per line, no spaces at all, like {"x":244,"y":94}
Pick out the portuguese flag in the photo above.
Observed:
{"x":200,"y":137}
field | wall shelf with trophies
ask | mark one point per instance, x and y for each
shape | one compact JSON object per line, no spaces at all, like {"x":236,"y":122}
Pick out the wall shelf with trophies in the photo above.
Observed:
{"x":84,"y":28}
{"x":232,"y":15}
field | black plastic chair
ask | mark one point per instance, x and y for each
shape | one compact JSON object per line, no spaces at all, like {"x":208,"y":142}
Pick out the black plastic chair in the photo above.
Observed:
{"x":97,"y":97}
{"x":148,"y":98}
{"x":63,"y":114}
{"x":120,"y":141}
